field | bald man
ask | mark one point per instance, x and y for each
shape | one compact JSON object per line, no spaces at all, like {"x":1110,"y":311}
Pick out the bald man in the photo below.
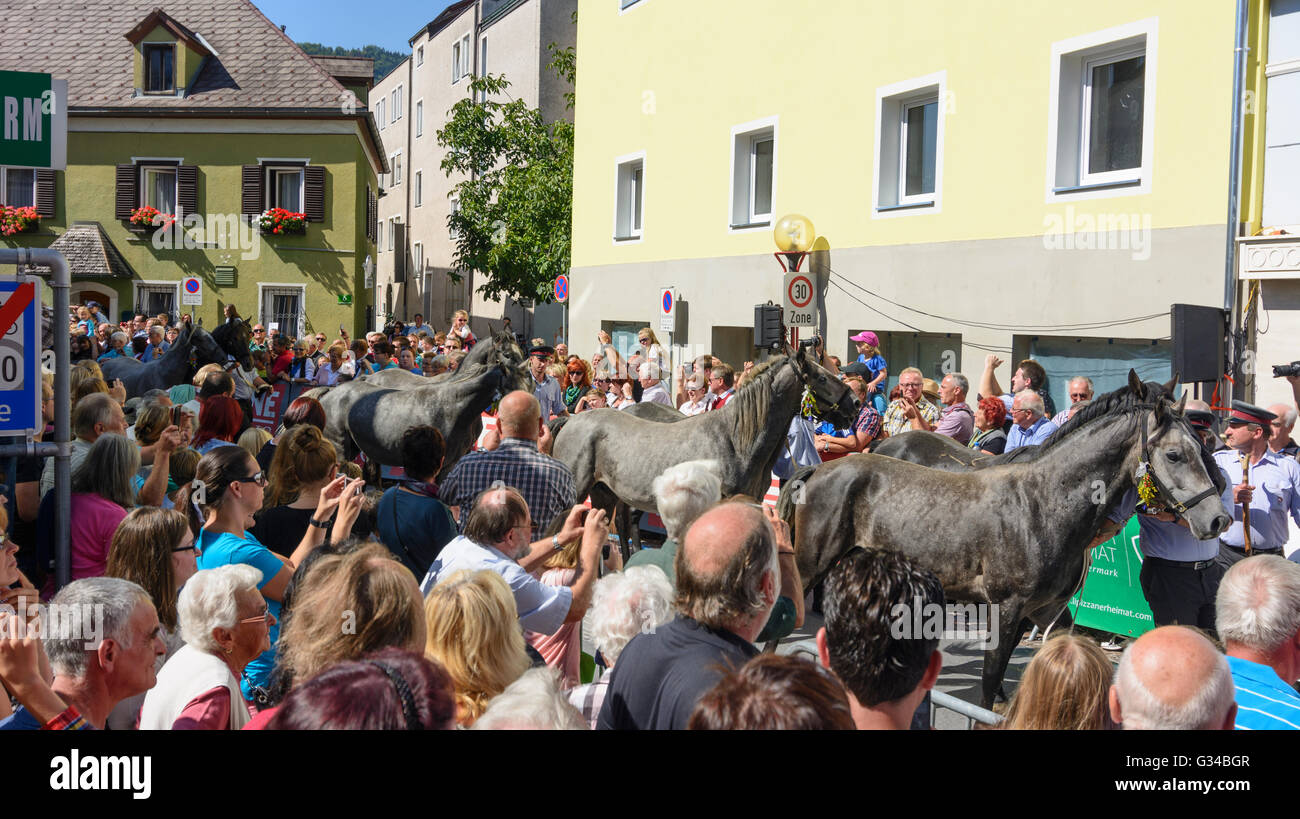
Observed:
{"x":727,"y":582}
{"x":545,"y":483}
{"x":1173,"y":678}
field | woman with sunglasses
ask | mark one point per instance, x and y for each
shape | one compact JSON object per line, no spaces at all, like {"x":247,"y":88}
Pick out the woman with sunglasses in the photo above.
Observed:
{"x":226,"y":492}
{"x":460,"y":330}
{"x":226,"y":625}
{"x":577,"y":382}
{"x":154,"y":549}
{"x":650,"y":349}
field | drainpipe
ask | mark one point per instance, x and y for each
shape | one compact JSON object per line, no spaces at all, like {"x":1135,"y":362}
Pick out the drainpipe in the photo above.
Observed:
{"x":61,"y":448}
{"x":1234,"y":195}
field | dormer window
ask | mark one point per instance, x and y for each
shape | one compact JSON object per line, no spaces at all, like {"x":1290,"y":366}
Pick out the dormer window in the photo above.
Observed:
{"x":159,"y":68}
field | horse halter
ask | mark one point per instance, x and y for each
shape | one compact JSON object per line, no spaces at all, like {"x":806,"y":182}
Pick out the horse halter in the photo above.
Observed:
{"x":836,"y":406}
{"x":1144,"y":469}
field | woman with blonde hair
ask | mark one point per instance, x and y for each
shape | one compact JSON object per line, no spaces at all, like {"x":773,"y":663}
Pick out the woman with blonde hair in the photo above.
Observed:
{"x":253,"y":439}
{"x":1064,"y":688}
{"x":473,"y":631}
{"x":460,"y":330}
{"x":304,"y":464}
{"x":652,"y":351}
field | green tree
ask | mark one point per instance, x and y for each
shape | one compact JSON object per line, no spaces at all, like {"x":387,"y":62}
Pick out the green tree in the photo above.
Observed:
{"x":515,"y":218}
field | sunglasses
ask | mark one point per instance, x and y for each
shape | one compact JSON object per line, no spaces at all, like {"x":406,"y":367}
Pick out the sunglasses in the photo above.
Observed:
{"x":259,"y":479}
{"x":259,"y":331}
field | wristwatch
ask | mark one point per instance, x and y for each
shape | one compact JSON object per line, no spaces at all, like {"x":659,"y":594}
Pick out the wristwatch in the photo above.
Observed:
{"x":555,"y":543}
{"x":320,"y":524}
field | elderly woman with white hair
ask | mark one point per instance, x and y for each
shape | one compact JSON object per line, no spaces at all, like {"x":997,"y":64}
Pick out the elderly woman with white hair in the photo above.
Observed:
{"x":226,"y":625}
{"x":684,"y":492}
{"x":116,"y":345}
{"x":623,"y":605}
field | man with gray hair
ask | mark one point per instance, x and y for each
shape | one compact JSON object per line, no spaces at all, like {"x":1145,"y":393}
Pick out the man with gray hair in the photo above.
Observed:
{"x":1029,"y":427}
{"x":1279,"y":439}
{"x":103,"y":637}
{"x":1173,"y":679}
{"x":956,"y":421}
{"x":1259,"y":623}
{"x":727,"y":581}
{"x":651,"y":388}
{"x":623,"y":605}
{"x":95,"y":415}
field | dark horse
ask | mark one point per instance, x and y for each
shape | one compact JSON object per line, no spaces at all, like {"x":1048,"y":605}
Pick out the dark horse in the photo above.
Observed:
{"x":363,"y":417}
{"x":626,"y":453}
{"x":1013,"y":534}
{"x":174,"y":367}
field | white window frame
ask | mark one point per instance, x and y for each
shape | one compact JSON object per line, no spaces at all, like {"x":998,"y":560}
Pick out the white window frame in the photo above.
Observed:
{"x":395,"y":162}
{"x":889,"y":153}
{"x":417,"y":194}
{"x":379,"y":235}
{"x":392,"y":220}
{"x":396,"y":113}
{"x":381,"y":113}
{"x":302,"y":304}
{"x":453,"y":207}
{"x":419,"y":56}
{"x":268,"y":189}
{"x":460,"y":59}
{"x":139,"y":283}
{"x":417,"y":258}
{"x":4,"y":185}
{"x":1085,"y":117}
{"x":626,"y":194}
{"x":419,"y":117}
{"x":1066,"y":178}
{"x":142,"y":169}
{"x":482,"y":64}
{"x":740,"y":205}
{"x":624,"y":6}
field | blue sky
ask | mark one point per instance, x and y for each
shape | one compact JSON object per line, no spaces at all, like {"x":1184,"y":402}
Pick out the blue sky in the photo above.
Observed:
{"x":347,"y":23}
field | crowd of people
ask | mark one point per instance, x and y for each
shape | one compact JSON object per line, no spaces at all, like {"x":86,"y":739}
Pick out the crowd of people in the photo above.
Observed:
{"x":249,"y":580}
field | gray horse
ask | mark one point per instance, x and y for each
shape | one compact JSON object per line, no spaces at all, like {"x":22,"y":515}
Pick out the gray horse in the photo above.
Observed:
{"x":626,"y":453}
{"x":362,"y":417}
{"x":1013,"y":534}
{"x":399,"y":379}
{"x":172,"y":368}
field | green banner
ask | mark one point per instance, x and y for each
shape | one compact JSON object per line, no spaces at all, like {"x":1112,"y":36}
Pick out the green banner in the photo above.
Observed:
{"x":29,"y":120}
{"x":1112,"y":598}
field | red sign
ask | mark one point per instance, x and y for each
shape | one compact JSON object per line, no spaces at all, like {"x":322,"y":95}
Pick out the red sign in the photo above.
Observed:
{"x":269,"y":405}
{"x":14,"y":307}
{"x":800,"y":291}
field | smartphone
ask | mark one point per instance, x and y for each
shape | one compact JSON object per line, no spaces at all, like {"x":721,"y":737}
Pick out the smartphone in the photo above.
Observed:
{"x":177,"y":412}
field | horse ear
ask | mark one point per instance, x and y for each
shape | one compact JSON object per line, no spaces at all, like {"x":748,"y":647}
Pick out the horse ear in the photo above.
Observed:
{"x":1171,"y":383}
{"x":1135,"y":384}
{"x":1182,"y":402}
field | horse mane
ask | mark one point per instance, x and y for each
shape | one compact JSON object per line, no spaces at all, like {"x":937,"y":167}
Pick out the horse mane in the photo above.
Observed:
{"x":753,"y":401}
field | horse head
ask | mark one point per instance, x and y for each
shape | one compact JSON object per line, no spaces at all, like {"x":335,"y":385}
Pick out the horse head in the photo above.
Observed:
{"x":206,"y":349}
{"x":1187,"y":479}
{"x":835,"y":401}
{"x":507,"y":354}
{"x":234,"y":336}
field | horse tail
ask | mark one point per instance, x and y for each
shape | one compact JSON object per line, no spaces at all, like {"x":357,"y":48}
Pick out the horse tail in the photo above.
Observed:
{"x":792,"y":495}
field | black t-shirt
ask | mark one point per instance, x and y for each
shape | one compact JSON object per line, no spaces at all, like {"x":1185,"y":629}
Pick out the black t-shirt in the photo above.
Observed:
{"x":414,"y":528}
{"x":281,"y":528}
{"x":660,"y":676}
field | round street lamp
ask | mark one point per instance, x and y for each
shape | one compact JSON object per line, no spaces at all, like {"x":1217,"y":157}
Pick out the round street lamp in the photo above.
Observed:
{"x":794,"y":236}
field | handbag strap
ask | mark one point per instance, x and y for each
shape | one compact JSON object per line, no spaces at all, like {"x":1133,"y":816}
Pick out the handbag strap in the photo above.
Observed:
{"x":402,"y":543}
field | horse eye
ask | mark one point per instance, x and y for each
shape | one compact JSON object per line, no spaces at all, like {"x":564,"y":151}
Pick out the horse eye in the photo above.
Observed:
{"x":1174,"y":456}
{"x":821,"y":378}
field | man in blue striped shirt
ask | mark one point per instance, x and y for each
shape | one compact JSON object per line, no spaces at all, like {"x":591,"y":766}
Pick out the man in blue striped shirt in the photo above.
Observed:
{"x":1259,"y":622}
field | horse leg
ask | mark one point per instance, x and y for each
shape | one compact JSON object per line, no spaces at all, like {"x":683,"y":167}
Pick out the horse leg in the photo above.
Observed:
{"x":1010,"y":628}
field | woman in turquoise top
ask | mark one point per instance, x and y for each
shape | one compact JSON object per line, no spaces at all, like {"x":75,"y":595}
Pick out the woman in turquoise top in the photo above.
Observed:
{"x":226,"y":491}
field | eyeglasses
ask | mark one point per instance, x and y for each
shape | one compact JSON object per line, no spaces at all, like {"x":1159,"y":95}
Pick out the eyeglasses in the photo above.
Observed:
{"x":1078,"y":396}
{"x":259,"y":330}
{"x":264,"y":617}
{"x":259,"y":479}
{"x":908,"y":386}
{"x":193,"y":547}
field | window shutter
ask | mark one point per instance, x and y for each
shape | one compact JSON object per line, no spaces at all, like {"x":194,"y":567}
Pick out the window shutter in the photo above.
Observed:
{"x":252,"y":191}
{"x":314,"y":186}
{"x":187,"y":188}
{"x":127,"y":196}
{"x":45,"y":193}
{"x":399,"y":246}
{"x":372,"y":215}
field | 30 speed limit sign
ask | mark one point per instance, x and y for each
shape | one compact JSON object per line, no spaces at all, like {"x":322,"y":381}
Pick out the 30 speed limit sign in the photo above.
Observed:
{"x":798,"y":300}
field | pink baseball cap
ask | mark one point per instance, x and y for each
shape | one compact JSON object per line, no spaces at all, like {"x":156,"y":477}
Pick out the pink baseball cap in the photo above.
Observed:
{"x":867,"y":336}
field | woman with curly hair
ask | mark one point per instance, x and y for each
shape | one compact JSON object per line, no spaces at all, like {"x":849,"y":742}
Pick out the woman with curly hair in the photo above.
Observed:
{"x":577,"y":382}
{"x":473,"y":632}
{"x":988,"y":436}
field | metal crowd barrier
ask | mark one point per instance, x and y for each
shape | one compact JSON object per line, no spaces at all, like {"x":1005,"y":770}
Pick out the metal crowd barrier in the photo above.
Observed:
{"x":972,"y":713}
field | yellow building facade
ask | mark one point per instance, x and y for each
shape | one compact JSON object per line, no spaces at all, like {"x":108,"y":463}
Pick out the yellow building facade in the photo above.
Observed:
{"x":1009,"y":178}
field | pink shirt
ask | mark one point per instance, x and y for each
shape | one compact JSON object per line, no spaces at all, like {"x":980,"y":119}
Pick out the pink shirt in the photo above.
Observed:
{"x":94,"y":520}
{"x":563,"y":649}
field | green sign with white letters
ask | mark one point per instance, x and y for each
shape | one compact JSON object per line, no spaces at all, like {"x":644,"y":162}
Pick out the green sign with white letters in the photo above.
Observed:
{"x":33,"y":120}
{"x":1112,"y":598}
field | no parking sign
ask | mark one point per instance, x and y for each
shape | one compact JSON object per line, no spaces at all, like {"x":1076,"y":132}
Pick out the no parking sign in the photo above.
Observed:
{"x":667,"y":310}
{"x":192,"y":290}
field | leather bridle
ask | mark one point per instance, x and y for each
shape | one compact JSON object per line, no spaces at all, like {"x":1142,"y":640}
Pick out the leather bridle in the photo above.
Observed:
{"x":1172,"y":503}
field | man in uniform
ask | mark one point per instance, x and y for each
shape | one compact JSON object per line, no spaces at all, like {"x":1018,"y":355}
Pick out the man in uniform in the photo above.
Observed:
{"x":1272,"y":492}
{"x":1180,"y":576}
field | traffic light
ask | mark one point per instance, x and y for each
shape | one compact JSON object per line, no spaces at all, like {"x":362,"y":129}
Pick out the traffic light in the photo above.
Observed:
{"x":769,"y":334}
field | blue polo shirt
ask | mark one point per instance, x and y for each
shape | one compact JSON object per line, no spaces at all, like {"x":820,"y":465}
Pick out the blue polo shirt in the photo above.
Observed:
{"x":1163,"y":539}
{"x":1264,"y":701}
{"x":1277,"y":494}
{"x":1033,"y":436}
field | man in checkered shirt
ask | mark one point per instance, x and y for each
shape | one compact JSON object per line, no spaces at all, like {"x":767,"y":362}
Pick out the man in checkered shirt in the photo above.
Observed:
{"x":545,"y":483}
